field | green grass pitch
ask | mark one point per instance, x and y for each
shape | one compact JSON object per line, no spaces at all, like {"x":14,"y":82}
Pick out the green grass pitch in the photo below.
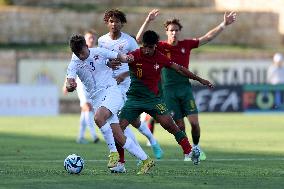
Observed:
{"x":243,"y":151}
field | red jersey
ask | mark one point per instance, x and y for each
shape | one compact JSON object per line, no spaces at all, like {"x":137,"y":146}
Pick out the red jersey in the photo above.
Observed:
{"x":145,"y":72}
{"x":179,"y":53}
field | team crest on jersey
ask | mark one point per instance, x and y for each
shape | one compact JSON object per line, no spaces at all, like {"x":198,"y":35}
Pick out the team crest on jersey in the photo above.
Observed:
{"x":183,"y":50}
{"x":120,"y":48}
{"x":156,"y":66}
{"x":96,"y":57}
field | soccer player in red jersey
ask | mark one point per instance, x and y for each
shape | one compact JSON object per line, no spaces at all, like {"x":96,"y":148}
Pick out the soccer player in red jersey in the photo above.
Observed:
{"x":177,"y":91}
{"x":143,"y":94}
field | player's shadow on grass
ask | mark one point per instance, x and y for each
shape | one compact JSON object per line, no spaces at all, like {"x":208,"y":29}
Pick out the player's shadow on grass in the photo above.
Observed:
{"x":23,"y":146}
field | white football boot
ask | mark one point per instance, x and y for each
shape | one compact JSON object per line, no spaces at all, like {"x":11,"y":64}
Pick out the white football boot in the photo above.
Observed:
{"x":119,"y":168}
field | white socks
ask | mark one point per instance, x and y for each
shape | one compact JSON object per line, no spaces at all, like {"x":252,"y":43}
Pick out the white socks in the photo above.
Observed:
{"x":89,"y":120}
{"x":108,"y":136}
{"x":82,"y":128}
{"x":146,"y":132}
{"x":129,"y":133}
{"x":134,"y":149}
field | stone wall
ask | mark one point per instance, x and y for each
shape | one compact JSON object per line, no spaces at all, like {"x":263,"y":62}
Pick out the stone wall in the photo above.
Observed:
{"x":43,"y":25}
{"x":276,"y":6}
{"x":113,"y":3}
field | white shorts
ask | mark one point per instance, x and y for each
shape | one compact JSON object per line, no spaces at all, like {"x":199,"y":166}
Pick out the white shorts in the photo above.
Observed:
{"x":110,"y":98}
{"x":82,"y":93}
{"x":124,"y":86}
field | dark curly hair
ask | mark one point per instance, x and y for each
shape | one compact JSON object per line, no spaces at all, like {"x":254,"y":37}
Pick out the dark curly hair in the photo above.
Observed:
{"x":115,"y":13}
{"x":173,"y":21}
{"x":76,"y":43}
{"x":150,"y":38}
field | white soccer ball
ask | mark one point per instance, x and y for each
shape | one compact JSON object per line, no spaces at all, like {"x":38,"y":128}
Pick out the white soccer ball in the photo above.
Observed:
{"x":74,"y":164}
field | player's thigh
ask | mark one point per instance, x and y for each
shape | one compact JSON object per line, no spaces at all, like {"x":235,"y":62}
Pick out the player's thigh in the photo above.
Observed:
{"x":102,"y":115}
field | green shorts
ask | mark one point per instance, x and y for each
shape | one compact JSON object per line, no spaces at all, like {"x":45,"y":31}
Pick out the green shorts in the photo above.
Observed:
{"x":180,"y":101}
{"x":133,"y":107}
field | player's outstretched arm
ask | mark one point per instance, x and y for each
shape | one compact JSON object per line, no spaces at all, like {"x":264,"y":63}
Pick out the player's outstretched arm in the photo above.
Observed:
{"x":116,"y":63}
{"x":182,"y":70}
{"x":125,"y":58}
{"x":151,"y":16}
{"x":229,"y":18}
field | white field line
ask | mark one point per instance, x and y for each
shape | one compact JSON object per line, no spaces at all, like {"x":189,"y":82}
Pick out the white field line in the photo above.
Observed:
{"x":161,"y":160}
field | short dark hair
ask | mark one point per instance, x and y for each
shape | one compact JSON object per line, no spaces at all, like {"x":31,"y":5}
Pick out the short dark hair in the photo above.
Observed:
{"x":173,"y":21}
{"x":150,"y":38}
{"x":115,"y":13}
{"x":76,"y":43}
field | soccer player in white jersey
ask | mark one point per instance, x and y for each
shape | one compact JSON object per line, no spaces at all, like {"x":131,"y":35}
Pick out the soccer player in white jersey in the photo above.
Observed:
{"x":89,"y":65}
{"x":123,"y":43}
{"x":87,"y":114}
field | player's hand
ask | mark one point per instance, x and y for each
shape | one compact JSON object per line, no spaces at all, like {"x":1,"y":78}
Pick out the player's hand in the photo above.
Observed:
{"x":121,"y":77}
{"x":206,"y":83}
{"x":130,"y":58}
{"x":71,"y":84}
{"x":153,"y":14}
{"x":114,"y":64}
{"x":229,"y":17}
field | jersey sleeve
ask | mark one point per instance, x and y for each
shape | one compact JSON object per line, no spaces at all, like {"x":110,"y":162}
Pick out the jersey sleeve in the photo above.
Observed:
{"x":72,"y":70}
{"x":100,"y":40}
{"x":165,"y":60}
{"x":192,"y":43}
{"x":133,"y":44}
{"x":108,"y":54}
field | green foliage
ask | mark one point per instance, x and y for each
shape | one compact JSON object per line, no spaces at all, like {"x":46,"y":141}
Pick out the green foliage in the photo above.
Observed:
{"x":243,"y":151}
{"x":6,"y":2}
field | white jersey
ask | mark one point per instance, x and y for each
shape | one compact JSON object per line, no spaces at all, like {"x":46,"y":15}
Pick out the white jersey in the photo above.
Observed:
{"x":93,"y":72}
{"x":123,"y":45}
{"x":82,"y":93}
{"x":275,"y":75}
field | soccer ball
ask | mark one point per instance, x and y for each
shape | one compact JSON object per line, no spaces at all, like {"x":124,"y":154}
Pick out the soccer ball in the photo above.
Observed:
{"x":74,"y":164}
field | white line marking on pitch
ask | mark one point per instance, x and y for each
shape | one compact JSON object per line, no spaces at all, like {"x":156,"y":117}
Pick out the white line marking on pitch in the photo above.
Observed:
{"x":160,"y":160}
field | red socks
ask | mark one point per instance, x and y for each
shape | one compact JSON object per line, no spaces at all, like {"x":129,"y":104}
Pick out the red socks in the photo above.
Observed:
{"x":120,"y":151}
{"x":185,"y":145}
